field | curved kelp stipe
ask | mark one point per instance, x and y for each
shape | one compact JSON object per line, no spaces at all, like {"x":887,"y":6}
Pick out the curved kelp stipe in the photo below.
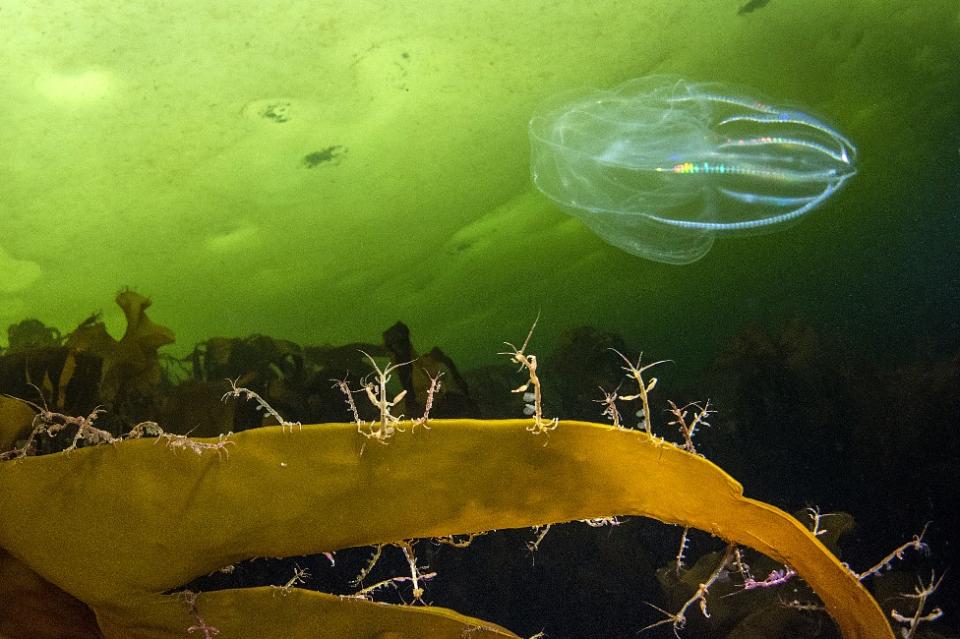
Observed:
{"x":659,"y":166}
{"x":118,"y":525}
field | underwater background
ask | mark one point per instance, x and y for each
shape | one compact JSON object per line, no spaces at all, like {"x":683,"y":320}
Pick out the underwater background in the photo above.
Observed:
{"x":313,"y":172}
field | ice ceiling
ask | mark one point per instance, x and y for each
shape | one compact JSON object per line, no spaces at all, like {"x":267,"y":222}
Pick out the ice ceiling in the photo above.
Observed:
{"x":317,"y":170}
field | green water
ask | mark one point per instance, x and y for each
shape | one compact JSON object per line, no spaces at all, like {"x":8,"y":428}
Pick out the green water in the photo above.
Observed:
{"x":162,"y":146}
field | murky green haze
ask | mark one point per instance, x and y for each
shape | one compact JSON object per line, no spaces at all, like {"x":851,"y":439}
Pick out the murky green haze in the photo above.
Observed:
{"x":318,"y":170}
